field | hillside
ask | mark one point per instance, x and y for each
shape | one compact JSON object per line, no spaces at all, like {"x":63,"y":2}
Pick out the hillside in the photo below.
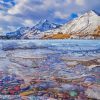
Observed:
{"x":86,"y":26}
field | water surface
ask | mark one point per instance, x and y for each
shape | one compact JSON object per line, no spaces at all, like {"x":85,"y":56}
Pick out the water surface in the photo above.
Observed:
{"x":47,"y":59}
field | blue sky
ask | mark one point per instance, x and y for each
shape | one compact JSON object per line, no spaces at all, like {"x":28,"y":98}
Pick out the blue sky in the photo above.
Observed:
{"x":17,"y":13}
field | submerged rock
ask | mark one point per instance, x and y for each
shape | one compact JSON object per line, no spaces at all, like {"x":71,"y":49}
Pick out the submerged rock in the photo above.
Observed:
{"x":93,"y":92}
{"x":73,"y":93}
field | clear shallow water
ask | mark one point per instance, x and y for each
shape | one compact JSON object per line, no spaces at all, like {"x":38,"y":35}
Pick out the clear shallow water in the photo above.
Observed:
{"x":44,"y":59}
{"x":64,"y":45}
{"x":44,"y":47}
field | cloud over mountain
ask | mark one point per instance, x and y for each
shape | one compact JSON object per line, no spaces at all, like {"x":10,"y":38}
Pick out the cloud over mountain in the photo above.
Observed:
{"x":16,"y":13}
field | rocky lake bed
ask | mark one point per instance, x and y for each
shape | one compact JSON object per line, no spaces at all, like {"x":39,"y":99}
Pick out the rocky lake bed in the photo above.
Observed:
{"x":50,"y":69}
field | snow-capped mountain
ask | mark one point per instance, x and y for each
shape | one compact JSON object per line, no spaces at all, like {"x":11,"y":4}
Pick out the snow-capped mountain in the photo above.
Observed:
{"x":45,"y":25}
{"x":28,"y":33}
{"x":86,"y":26}
{"x":18,"y":33}
{"x":37,"y":30}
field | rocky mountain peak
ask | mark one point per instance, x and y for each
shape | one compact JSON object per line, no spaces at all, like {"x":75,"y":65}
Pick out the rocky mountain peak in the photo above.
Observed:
{"x":45,"y":25}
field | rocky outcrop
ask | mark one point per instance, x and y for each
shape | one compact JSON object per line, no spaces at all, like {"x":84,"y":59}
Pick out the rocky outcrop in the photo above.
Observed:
{"x":57,"y":36}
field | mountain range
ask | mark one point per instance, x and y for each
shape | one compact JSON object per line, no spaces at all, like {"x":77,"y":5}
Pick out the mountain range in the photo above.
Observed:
{"x":27,"y":32}
{"x":86,"y":26}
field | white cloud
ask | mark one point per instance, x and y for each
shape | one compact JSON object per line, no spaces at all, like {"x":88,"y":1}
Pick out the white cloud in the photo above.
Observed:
{"x":28,"y":22}
{"x":5,"y":5}
{"x":18,"y":7}
{"x":28,"y":12}
{"x":1,"y":29}
{"x":61,"y":15}
{"x":69,"y":1}
{"x":80,"y":2}
{"x":14,"y":10}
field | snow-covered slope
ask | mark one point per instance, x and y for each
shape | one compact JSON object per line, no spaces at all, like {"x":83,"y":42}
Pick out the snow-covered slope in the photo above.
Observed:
{"x":41,"y":27}
{"x":85,"y":26}
{"x":31,"y":33}
{"x":18,"y":33}
{"x":45,"y":25}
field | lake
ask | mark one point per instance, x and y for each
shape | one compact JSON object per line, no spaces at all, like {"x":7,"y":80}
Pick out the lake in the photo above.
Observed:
{"x":38,"y":67}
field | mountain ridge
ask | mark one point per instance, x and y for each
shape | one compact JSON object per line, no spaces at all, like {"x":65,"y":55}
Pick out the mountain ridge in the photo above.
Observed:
{"x":22,"y":32}
{"x":86,"y":26}
{"x":82,"y":27}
